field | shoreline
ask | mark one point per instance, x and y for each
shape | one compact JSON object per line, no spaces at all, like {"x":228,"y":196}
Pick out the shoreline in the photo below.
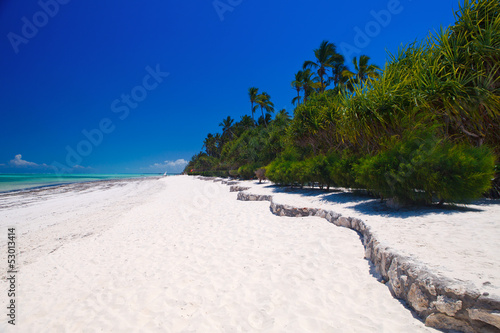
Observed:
{"x":42,"y":186}
{"x":444,"y":302}
{"x":47,"y":190}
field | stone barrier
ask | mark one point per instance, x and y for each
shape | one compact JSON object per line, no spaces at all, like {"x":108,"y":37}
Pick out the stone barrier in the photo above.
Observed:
{"x":441,"y":302}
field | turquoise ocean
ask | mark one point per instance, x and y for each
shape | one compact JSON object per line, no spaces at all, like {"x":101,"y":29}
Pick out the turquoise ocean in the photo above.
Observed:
{"x":12,"y":182}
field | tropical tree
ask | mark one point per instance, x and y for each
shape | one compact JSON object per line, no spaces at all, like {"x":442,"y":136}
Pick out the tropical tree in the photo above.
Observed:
{"x":263,"y":120}
{"x":227,"y":125}
{"x":209,"y":145}
{"x":363,"y":71}
{"x":298,"y":84}
{"x":326,"y":57}
{"x":246,"y":122}
{"x":304,"y":82}
{"x":310,"y":84}
{"x":264,"y":102}
{"x":337,"y":73}
{"x":213,"y":145}
{"x":252,"y":94}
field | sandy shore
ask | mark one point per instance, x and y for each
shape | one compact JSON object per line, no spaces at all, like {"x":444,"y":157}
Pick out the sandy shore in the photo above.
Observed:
{"x":183,"y":255}
{"x":457,"y":242}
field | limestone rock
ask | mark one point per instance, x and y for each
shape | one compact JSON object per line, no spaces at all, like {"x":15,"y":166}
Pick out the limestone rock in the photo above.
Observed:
{"x":238,"y":188}
{"x":356,"y":224}
{"x":447,"y":305}
{"x":417,"y":298}
{"x":456,"y":289}
{"x":444,"y":322}
{"x":394,"y":283}
{"x":489,"y":317}
{"x":385,"y":263}
{"x":344,"y":221}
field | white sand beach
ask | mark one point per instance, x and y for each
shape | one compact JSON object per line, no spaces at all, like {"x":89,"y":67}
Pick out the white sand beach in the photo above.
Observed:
{"x":183,"y":255}
{"x":457,"y":242}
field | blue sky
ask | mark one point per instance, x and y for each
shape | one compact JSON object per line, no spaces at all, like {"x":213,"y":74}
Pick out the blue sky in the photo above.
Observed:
{"x":112,"y":86}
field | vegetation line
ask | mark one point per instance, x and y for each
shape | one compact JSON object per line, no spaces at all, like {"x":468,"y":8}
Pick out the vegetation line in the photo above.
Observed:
{"x":425,"y":129}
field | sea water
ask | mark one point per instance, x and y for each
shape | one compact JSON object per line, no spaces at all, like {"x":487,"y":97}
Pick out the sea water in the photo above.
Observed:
{"x":12,"y":182}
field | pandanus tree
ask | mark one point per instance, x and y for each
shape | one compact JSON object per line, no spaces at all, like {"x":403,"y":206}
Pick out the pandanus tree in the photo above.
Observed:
{"x":363,"y":71}
{"x":252,"y":94}
{"x":264,"y":102}
{"x":469,"y":96}
{"x":326,"y":57}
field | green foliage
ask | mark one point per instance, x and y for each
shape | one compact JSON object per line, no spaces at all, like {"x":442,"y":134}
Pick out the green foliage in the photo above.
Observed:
{"x":314,"y":127}
{"x":332,"y":169}
{"x":318,"y":167}
{"x":211,"y":173}
{"x":280,"y":170}
{"x":341,"y":169}
{"x":418,"y":131}
{"x":247,"y":171}
{"x":423,"y":168}
{"x":243,"y":143}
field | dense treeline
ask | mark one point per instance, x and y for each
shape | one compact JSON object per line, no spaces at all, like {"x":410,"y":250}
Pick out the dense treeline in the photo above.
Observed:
{"x":243,"y":147}
{"x":426,"y":128}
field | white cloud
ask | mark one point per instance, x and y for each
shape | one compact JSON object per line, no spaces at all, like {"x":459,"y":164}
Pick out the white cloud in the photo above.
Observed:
{"x":19,"y":162}
{"x":170,"y":166}
{"x":180,"y":162}
{"x":80,"y":167}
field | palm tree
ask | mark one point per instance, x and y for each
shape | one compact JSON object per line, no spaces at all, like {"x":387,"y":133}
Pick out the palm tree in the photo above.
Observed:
{"x":298,"y":84}
{"x":337,"y":72}
{"x":326,"y":57}
{"x":246,"y":122}
{"x":304,"y":82}
{"x":253,"y":93}
{"x":363,"y":71}
{"x":210,"y":145}
{"x":263,"y":120}
{"x":310,"y":84}
{"x":264,"y":102}
{"x":227,"y":125}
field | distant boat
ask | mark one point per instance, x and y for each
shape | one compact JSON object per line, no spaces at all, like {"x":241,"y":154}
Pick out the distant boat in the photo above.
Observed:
{"x":165,"y":173}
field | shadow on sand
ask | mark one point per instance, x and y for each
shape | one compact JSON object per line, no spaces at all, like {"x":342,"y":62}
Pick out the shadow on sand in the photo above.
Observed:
{"x":368,"y":205}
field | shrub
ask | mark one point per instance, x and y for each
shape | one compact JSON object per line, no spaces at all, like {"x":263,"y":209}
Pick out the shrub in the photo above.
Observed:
{"x":247,"y":171}
{"x":422,"y":169}
{"x":318,"y":169}
{"x":341,"y":168}
{"x":299,"y":172}
{"x":214,"y":173}
{"x":457,"y":173}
